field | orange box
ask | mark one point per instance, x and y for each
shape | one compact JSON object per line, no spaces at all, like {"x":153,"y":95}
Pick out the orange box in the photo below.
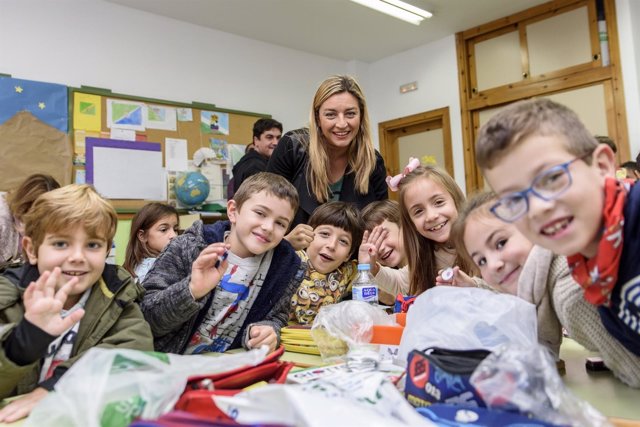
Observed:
{"x":384,"y":334}
{"x":387,"y":338}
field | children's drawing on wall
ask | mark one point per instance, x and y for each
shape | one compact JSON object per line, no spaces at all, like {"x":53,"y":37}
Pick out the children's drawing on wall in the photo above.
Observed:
{"x":33,"y":125}
{"x":214,"y":122}
{"x":46,"y":101}
{"x":220,"y":148}
{"x":161,"y":117}
{"x":87,"y":112}
{"x":126,"y":114}
{"x":184,"y":114}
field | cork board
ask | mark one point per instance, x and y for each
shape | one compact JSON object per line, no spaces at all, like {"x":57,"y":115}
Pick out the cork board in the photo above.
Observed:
{"x":240,"y":127}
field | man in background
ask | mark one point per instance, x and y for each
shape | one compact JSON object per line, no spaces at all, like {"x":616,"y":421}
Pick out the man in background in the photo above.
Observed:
{"x":266,"y":134}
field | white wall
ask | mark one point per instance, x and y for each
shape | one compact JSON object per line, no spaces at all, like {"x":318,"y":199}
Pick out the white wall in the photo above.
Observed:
{"x":434,"y":67}
{"x":95,"y":43}
{"x":628,"y":13}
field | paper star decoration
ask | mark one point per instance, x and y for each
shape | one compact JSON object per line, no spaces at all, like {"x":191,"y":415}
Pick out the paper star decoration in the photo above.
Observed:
{"x":19,"y":89}
{"x":41,"y":105}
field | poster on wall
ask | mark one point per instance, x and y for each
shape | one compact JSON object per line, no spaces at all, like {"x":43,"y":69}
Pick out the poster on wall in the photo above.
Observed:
{"x":161,"y":117}
{"x":214,"y":122}
{"x":87,"y":112}
{"x":34,"y":119}
{"x":126,"y":114}
{"x":46,"y":101}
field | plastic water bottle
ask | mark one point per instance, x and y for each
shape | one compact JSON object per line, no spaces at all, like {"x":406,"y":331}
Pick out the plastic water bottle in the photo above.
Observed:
{"x":364,"y":287}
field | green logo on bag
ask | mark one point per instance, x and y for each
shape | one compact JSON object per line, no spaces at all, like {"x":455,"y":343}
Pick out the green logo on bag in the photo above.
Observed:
{"x":122,"y":363}
{"x":121,"y":412}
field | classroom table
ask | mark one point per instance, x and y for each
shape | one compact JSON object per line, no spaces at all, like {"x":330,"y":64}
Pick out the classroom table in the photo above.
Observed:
{"x":601,"y":389}
{"x":607,"y":394}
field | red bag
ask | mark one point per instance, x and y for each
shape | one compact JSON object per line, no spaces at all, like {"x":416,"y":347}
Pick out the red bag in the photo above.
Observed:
{"x":197,"y":397}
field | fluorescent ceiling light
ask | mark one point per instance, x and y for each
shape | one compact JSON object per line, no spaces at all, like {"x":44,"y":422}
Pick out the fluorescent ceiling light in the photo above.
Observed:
{"x":397,"y":9}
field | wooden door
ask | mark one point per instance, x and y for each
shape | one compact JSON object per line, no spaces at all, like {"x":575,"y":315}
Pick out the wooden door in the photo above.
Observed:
{"x":426,"y":136}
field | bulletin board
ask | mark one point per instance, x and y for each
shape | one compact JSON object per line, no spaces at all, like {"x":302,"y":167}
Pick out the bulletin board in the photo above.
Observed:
{"x":90,"y":99}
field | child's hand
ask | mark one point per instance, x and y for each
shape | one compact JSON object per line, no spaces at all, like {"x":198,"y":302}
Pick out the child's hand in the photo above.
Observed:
{"x":459,"y":279}
{"x":43,"y":304}
{"x":206,"y":271}
{"x":260,"y":335}
{"x":300,"y":237}
{"x":371,"y":242}
{"x":22,"y":407}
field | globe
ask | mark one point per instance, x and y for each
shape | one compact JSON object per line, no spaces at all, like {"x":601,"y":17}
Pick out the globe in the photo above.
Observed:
{"x":192,"y":189}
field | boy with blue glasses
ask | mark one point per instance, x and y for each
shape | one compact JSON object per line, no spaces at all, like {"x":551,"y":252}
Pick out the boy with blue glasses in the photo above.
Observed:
{"x":557,"y":185}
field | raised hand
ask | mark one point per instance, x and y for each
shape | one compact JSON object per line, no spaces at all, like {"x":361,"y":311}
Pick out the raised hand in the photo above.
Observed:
{"x":300,"y":237}
{"x":459,"y":279}
{"x":43,"y":304}
{"x":370,"y":246}
{"x":208,"y":269}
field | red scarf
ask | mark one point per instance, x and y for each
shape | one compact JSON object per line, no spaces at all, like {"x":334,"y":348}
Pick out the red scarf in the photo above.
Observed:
{"x":598,"y":275}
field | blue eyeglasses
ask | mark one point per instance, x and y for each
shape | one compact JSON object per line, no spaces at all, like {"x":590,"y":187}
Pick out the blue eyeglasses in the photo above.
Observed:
{"x":547,"y":185}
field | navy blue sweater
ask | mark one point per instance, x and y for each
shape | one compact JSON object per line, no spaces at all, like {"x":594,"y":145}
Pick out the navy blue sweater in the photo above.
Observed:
{"x":622,"y":317}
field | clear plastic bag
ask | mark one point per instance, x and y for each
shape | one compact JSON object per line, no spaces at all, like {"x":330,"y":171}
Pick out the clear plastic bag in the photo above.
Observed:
{"x":110,"y":387}
{"x":346,"y":325}
{"x":525,"y":379}
{"x":467,"y":319}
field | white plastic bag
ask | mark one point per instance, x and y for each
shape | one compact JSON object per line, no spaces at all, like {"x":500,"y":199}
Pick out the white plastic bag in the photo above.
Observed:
{"x":341,"y":399}
{"x":110,"y":387}
{"x":466,"y":319}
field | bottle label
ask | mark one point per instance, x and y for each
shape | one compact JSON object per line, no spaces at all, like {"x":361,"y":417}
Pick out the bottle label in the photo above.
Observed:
{"x":366,"y":293}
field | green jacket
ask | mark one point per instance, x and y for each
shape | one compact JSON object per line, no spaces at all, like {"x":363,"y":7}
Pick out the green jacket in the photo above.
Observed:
{"x":112,"y":320}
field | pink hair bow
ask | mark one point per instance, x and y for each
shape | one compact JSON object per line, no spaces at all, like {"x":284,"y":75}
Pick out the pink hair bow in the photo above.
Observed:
{"x":394,"y":181}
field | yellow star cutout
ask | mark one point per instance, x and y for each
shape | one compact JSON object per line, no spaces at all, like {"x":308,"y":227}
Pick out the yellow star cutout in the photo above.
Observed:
{"x":41,"y":105}
{"x":19,"y":89}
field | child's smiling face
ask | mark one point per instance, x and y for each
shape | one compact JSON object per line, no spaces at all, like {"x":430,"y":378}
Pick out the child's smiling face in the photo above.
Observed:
{"x":76,"y":253}
{"x":497,"y":248}
{"x":570,"y":223}
{"x":431,"y":209}
{"x":391,"y":251}
{"x":259,"y":225}
{"x":330,"y":248}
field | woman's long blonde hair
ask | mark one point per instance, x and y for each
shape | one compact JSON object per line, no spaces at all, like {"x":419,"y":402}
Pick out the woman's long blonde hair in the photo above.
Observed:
{"x":362,"y":157}
{"x":419,"y":250}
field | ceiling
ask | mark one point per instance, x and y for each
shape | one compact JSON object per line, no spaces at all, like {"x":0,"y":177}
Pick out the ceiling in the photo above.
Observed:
{"x":338,"y":29}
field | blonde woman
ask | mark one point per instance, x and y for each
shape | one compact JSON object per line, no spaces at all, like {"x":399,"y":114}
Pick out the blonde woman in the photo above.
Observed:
{"x":334,"y":159}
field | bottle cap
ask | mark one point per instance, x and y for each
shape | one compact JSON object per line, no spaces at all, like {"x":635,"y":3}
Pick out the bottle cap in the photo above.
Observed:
{"x":364,"y":267}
